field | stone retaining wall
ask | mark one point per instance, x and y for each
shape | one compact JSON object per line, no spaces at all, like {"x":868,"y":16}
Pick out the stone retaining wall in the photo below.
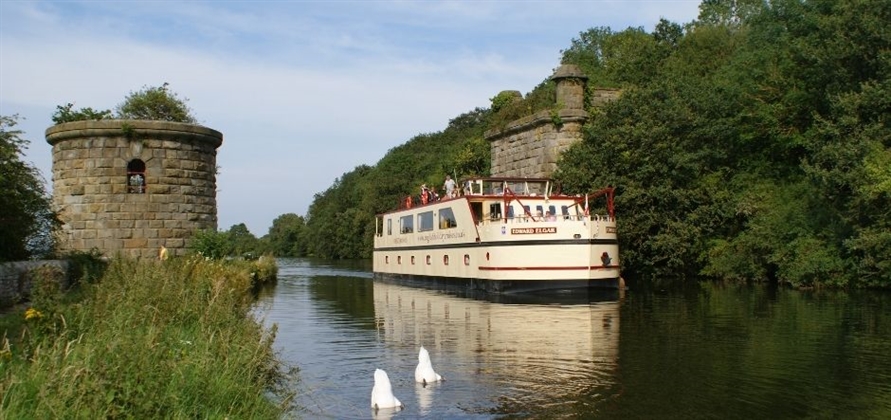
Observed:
{"x":16,"y":282}
{"x":531,"y":146}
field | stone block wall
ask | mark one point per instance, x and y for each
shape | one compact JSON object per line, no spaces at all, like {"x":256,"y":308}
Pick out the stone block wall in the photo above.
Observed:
{"x":16,"y":282}
{"x":531,"y":146}
{"x":99,"y":207}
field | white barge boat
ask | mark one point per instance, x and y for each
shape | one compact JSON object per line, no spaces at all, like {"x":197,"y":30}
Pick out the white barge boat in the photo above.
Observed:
{"x":502,"y":235}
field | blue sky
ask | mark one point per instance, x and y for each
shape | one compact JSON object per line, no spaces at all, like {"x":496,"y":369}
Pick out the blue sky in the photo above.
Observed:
{"x":303,"y":91}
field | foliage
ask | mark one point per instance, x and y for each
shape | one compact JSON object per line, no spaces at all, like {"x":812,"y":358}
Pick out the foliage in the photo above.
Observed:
{"x":27,"y":221}
{"x":150,"y":103}
{"x":286,"y":236}
{"x":186,"y":318}
{"x":211,"y":244}
{"x":155,"y":103}
{"x":67,"y":113}
{"x":85,"y":267}
{"x":242,"y":242}
{"x":754,"y":146}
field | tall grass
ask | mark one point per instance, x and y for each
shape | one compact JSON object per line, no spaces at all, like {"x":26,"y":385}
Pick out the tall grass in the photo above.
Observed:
{"x":172,"y":339}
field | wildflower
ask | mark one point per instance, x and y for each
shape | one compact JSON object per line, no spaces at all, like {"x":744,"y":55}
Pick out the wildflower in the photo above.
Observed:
{"x":32,"y":313}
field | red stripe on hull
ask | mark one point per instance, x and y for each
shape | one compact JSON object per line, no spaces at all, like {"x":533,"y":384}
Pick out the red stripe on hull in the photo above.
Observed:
{"x":593,"y":267}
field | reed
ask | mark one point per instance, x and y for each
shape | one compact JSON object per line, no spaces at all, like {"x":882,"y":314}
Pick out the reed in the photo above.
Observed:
{"x":172,"y":339}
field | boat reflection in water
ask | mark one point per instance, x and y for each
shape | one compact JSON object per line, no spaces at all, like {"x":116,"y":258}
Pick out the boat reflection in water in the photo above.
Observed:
{"x":530,"y":355}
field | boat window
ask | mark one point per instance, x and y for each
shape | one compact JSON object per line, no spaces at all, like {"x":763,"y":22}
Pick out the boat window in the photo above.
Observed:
{"x":539,"y":211}
{"x":399,"y":259}
{"x":466,"y":259}
{"x":495,"y":211}
{"x":389,"y":226}
{"x":425,"y":221}
{"x":565,"y":211}
{"x":552,"y":210}
{"x":378,"y":226}
{"x":428,"y":260}
{"x":445,"y":259}
{"x":510,"y":212}
{"x":536,"y":188}
{"x":518,"y":188}
{"x":447,"y":218}
{"x":412,"y":260}
{"x":407,"y":224}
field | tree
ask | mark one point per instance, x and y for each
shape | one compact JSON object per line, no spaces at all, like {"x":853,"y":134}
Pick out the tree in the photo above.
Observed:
{"x":27,"y":221}
{"x":286,"y":236}
{"x":242,"y":241}
{"x":155,"y":103}
{"x":67,"y":113}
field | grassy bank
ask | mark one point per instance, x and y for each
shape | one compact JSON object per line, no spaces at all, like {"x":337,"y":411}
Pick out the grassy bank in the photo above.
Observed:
{"x":172,"y":339}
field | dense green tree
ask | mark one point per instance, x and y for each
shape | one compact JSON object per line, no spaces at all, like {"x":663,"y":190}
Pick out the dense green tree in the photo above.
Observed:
{"x":242,"y":241}
{"x":286,"y":236}
{"x":27,"y":221}
{"x":155,"y":103}
{"x":757,"y":149}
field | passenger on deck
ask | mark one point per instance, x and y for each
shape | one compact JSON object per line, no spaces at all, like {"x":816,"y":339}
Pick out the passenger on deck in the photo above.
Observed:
{"x":550,"y":217}
{"x":449,"y":187}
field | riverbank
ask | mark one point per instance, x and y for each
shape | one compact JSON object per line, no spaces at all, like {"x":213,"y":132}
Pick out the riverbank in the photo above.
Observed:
{"x":149,"y":338}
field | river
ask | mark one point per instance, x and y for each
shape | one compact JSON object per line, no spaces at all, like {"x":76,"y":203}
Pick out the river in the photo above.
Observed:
{"x":697,"y":351}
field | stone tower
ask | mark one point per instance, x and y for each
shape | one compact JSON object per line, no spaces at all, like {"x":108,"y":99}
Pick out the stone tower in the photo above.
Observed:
{"x":132,"y":186}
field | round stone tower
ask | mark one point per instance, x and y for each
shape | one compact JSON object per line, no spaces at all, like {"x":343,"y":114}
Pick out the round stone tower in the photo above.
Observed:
{"x":570,"y":86}
{"x":132,"y":186}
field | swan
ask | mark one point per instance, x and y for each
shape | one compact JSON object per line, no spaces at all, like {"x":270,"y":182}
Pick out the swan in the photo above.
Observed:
{"x":424,"y":372}
{"x":382,"y":393}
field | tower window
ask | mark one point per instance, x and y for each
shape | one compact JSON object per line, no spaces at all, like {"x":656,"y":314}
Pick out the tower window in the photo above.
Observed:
{"x":136,"y":177}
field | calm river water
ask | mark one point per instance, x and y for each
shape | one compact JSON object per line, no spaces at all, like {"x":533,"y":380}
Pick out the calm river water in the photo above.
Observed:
{"x":706,"y":351}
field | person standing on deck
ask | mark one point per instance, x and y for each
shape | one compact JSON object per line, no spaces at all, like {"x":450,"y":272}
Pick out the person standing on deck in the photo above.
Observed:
{"x":449,"y":187}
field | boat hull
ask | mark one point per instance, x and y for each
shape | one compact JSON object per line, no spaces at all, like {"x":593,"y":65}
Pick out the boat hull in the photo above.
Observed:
{"x":568,"y":286}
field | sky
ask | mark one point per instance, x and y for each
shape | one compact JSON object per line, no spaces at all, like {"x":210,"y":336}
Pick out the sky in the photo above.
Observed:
{"x":303,"y":91}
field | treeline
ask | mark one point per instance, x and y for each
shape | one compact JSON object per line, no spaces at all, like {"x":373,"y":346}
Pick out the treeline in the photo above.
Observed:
{"x":752,"y":144}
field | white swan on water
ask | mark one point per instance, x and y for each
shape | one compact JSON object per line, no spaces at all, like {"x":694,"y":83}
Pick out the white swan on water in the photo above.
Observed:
{"x":424,"y":373}
{"x":382,"y":393}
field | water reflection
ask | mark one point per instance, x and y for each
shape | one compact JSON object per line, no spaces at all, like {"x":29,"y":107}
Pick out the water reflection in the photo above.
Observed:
{"x":496,"y":358}
{"x":517,"y":355}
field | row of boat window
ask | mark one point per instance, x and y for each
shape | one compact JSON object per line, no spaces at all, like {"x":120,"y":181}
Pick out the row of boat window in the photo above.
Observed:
{"x":445,"y":219}
{"x":524,"y":211}
{"x":425,"y":221}
{"x":428,"y":260}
